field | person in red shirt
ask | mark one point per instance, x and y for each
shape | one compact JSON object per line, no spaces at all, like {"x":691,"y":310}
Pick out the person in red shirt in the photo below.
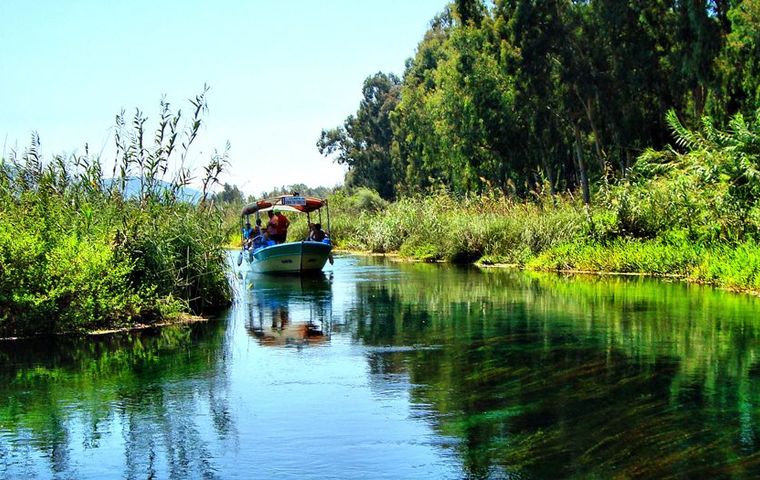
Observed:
{"x":281,"y":224}
{"x":271,"y":230}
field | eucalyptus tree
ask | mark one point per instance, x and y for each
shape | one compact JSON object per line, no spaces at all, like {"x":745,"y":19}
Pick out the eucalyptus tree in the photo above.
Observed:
{"x":515,"y":95}
{"x":474,"y":108}
{"x":737,"y":66}
{"x":417,"y":147}
{"x":363,"y":142}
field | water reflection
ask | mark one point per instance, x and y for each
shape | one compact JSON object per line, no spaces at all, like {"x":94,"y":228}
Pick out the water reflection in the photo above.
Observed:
{"x":72,"y":397}
{"x":545,"y":376}
{"x":288,"y":310}
{"x":422,"y":371}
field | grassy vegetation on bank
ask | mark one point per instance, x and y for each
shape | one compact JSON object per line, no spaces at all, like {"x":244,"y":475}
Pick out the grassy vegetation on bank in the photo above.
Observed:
{"x":79,"y":252}
{"x":538,"y":236}
{"x":690,"y":212}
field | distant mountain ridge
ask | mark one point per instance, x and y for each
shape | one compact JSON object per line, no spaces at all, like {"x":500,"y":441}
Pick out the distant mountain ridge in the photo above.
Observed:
{"x":132,"y":189}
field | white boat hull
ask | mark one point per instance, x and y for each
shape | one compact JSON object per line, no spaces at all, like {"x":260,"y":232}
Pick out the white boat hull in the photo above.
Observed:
{"x":294,"y":257}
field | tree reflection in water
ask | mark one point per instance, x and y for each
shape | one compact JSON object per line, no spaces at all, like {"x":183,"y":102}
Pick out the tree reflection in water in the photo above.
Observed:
{"x":544,"y":376}
{"x":475,"y":374}
{"x":152,"y":386}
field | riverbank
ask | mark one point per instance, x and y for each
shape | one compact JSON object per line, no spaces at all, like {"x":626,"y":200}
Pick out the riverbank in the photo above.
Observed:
{"x":184,"y":319}
{"x":112,"y":264}
{"x":736,"y":288}
{"x":557,"y":234}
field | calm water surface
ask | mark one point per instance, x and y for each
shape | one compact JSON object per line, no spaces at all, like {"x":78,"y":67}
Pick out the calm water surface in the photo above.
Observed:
{"x":386,"y":370}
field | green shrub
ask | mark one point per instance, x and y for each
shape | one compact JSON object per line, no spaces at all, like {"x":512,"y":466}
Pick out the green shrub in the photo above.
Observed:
{"x":735,"y":266}
{"x":79,"y":252}
{"x":365,"y":199}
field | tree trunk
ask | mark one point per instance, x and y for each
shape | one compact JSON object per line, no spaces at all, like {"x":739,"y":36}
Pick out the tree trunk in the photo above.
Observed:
{"x":582,"y":167}
{"x":588,"y":110}
{"x":549,"y":176}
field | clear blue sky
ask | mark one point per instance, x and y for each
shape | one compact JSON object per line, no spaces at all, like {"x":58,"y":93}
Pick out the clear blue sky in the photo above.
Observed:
{"x":279,"y":72}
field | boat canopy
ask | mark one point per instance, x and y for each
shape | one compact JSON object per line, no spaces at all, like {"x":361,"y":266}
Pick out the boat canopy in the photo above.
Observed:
{"x":292,"y":203}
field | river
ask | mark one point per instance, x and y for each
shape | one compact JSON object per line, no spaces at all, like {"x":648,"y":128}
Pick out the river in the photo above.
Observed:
{"x":380,"y":369}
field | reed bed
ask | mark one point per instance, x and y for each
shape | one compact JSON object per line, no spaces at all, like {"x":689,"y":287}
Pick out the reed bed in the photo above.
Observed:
{"x":81,"y":251}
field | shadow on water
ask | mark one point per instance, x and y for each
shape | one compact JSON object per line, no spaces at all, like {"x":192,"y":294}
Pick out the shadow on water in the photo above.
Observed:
{"x":71,"y":395}
{"x":288,"y":310}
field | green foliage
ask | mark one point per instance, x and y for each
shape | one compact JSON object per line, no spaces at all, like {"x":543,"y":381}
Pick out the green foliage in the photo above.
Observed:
{"x":692,"y":213}
{"x":177,"y":252}
{"x":366,"y":200}
{"x":363,"y":143}
{"x":78,"y":253}
{"x":57,"y":277}
{"x":229,"y":194}
{"x":732,"y":266}
{"x":711,"y":189}
{"x":623,"y":256}
{"x":516,"y":96}
{"x":737,"y":66}
{"x":462,"y":230}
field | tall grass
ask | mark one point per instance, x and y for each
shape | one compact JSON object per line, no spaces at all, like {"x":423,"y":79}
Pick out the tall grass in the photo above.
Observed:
{"x":441,"y":227}
{"x":692,"y":210}
{"x":78,"y":251}
{"x":552,"y":235}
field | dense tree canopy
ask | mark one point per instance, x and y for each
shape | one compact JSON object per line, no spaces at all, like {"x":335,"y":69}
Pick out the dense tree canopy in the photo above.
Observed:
{"x":520,"y":95}
{"x":364,"y":141}
{"x":229,"y":194}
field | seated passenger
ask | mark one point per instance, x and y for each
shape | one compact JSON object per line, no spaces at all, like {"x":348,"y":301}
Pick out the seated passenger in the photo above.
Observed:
{"x":257,"y":234}
{"x":316,"y":234}
{"x":310,"y":232}
{"x":267,"y":240}
{"x":247,"y":235}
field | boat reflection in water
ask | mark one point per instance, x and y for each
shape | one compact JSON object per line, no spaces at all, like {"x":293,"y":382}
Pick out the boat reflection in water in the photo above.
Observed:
{"x":293,"y":311}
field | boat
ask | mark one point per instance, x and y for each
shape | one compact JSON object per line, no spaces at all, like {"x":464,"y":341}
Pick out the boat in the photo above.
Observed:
{"x":299,"y":257}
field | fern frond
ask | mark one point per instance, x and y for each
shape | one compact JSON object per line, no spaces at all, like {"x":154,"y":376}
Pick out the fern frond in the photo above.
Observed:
{"x":684,"y":137}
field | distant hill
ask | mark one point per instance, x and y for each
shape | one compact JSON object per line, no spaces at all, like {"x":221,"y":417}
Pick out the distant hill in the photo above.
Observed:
{"x":132,"y":189}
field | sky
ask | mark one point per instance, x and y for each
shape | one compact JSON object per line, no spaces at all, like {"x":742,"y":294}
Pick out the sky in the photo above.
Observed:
{"x":279,"y":72}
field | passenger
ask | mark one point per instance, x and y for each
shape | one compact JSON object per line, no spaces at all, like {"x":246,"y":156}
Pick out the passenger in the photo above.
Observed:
{"x":281,"y":227}
{"x":268,"y":240}
{"x":271,"y":225}
{"x":258,"y":236}
{"x":247,"y":235}
{"x":317,"y":234}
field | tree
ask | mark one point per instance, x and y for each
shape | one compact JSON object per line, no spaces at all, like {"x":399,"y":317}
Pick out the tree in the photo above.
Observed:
{"x":229,"y":194}
{"x":364,"y":141}
{"x":517,"y":94}
{"x":738,"y":64}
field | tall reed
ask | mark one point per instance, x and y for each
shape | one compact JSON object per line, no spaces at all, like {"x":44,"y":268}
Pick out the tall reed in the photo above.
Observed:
{"x":80,"y":251}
